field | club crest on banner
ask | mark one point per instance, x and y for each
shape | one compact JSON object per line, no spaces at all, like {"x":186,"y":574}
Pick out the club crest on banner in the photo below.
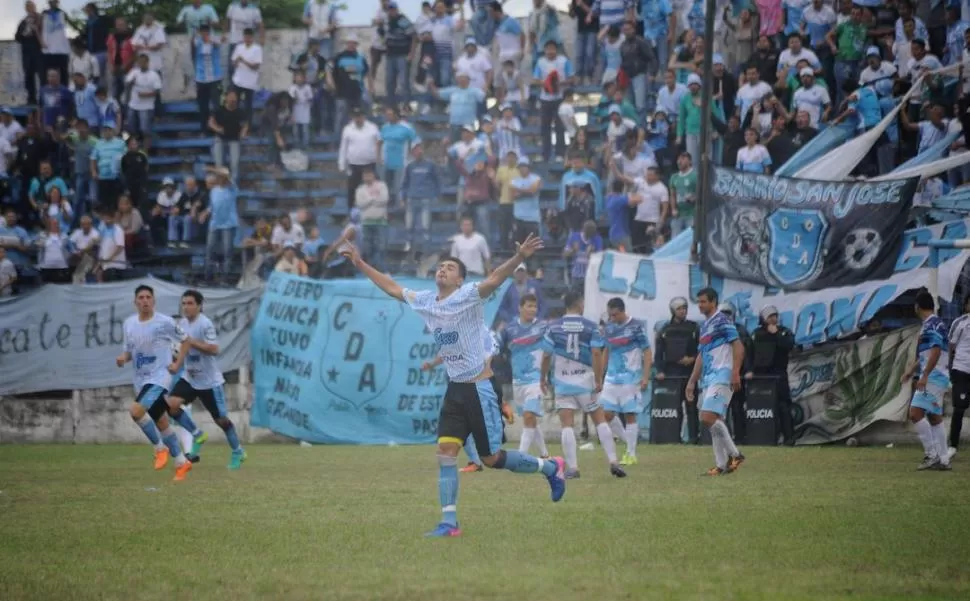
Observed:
{"x":795,"y":250}
{"x":357,"y":355}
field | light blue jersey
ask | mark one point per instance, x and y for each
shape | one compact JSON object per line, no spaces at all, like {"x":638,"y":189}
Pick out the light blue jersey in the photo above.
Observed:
{"x":201,"y":370}
{"x":717,"y":356}
{"x":571,"y":340}
{"x":626,"y":343}
{"x":150,"y":345}
{"x":933,"y":335}
{"x":457,"y":323}
{"x":523,"y":343}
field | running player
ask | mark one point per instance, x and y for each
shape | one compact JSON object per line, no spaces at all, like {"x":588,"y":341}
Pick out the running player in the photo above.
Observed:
{"x":185,"y":437}
{"x":718,"y":368}
{"x":202,"y":378}
{"x":148,"y":343}
{"x":628,"y":362}
{"x":521,"y":340}
{"x":577,"y":345}
{"x":455,"y":314}
{"x":926,"y":409}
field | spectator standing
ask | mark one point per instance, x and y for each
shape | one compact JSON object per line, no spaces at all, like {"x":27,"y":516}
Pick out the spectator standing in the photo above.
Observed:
{"x":150,"y":39}
{"x":181,"y":223}
{"x":243,"y":15}
{"x":30,"y":36}
{"x":277,"y":114}
{"x":222,"y":218}
{"x":32,"y":148}
{"x":651,"y":213}
{"x":10,"y":128}
{"x":378,"y":45}
{"x":956,"y":27}
{"x":725,"y":86}
{"x":553,"y":72}
{"x":291,"y":261}
{"x":82,"y":144}
{"x":506,"y":172}
{"x":579,"y":246}
{"x":54,"y":40}
{"x":207,"y":59}
{"x":246,"y":60}
{"x":543,"y":27}
{"x":56,"y":100}
{"x":14,"y":239}
{"x":525,"y":208}
{"x":586,"y":44}
{"x":121,"y":57}
{"x":83,"y":62}
{"x":53,"y":254}
{"x":522,"y":285}
{"x":97,"y":29}
{"x":41,"y":185}
{"x":112,"y":256}
{"x":134,"y":170}
{"x":689,"y":123}
{"x":753,"y":91}
{"x":683,"y":195}
{"x":670,"y":95}
{"x":371,"y":198}
{"x":302,"y":95}
{"x":420,"y":188}
{"x":471,"y":248}
{"x":443,"y":28}
{"x":401,"y":43}
{"x":753,"y":157}
{"x":348,"y":72}
{"x":509,"y":36}
{"x":848,"y":43}
{"x":8,"y":274}
{"x":84,"y":248}
{"x":314,"y":67}
{"x":479,"y":69}
{"x":359,"y":144}
{"x":395,"y":138}
{"x":85,"y":100}
{"x":479,"y":193}
{"x":463,"y":102}
{"x":813,"y":99}
{"x":194,"y":16}
{"x":105,"y":169}
{"x":146,"y":84}
{"x":133,"y":224}
{"x":618,"y":205}
{"x":320,"y":17}
{"x":161,"y":217}
{"x":639,"y":62}
{"x":659,"y":25}
{"x":230,"y":125}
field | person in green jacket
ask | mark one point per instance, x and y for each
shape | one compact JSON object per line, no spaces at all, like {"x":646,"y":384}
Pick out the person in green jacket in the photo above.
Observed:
{"x":689,"y":118}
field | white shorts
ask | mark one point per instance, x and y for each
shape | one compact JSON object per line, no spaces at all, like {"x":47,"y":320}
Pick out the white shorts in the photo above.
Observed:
{"x":621,"y":398}
{"x":716,"y":398}
{"x":587,"y":403}
{"x":527,"y":397}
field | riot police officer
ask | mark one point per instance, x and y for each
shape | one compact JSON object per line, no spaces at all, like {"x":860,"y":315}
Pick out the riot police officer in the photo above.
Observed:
{"x":676,"y":346}
{"x":738,"y":417}
{"x":771,"y":346}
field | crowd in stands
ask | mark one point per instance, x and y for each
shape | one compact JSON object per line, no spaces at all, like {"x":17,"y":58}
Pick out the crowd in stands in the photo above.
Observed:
{"x":619,"y":109}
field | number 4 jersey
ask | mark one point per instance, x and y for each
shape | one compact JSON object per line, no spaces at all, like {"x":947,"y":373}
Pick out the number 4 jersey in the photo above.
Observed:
{"x":571,"y":341}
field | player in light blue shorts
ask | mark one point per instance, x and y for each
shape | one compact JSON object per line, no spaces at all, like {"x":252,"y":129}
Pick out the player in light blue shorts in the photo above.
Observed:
{"x":628,"y":363}
{"x":926,"y":409}
{"x":718,"y":368}
{"x":521,"y":341}
{"x":574,"y":345}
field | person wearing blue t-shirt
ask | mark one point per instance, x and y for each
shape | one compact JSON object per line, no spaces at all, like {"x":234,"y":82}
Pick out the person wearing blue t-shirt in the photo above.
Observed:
{"x":396,"y":137}
{"x":525,"y":201}
{"x":85,"y":103}
{"x":463,"y":101}
{"x":222,"y":217}
{"x":618,"y":215}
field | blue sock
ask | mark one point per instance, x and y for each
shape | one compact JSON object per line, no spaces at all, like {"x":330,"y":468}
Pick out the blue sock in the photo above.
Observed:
{"x":521,"y":463}
{"x":171,"y":440}
{"x":471,"y":451}
{"x":448,"y":488}
{"x":232,"y":439}
{"x":149,"y":428}
{"x":185,"y":420}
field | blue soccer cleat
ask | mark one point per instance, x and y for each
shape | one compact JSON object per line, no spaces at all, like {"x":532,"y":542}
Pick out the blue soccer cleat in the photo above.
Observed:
{"x":444,"y":530}
{"x":557,"y":481}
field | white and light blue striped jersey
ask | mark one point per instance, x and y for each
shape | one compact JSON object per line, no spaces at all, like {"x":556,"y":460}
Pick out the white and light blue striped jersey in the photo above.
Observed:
{"x":456,"y":323}
{"x":626,"y":343}
{"x":717,"y":356}
{"x":571,"y":340}
{"x":523,"y":343}
{"x":150,"y":345}
{"x":933,"y":335}
{"x":201,"y":370}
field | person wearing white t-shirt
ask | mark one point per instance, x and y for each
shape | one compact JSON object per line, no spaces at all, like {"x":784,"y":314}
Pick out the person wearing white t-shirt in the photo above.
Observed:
{"x":246,"y":59}
{"x":150,"y":39}
{"x":476,"y":64}
{"x":811,"y":98}
{"x":10,"y":128}
{"x":320,"y":17}
{"x":790,"y":56}
{"x":243,"y":15}
{"x":111,"y":252}
{"x":471,"y":248}
{"x":302,"y":94}
{"x":754,"y":90}
{"x":617,"y":130}
{"x":8,"y":274}
{"x":753,"y":157}
{"x":84,"y":242}
{"x":878,"y":72}
{"x":286,"y":232}
{"x":567,"y":114}
{"x":653,"y":200}
{"x":7,"y":153}
{"x":145,"y":86}
{"x":52,"y":254}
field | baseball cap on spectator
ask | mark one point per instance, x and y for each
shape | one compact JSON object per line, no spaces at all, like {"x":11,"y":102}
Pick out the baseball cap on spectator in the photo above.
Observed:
{"x":487,"y":119}
{"x":872,"y":51}
{"x":806,"y":71}
{"x":470,"y":41}
{"x":168,"y":182}
{"x":351,"y":38}
{"x":523,"y":161}
{"x":469,"y":128}
{"x":5,"y":111}
{"x":718,"y":59}
{"x":521,"y":267}
{"x":693,"y":78}
{"x":615,"y":109}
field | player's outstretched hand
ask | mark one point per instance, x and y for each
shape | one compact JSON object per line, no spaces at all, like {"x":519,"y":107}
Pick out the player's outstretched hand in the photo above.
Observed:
{"x":351,"y":253}
{"x":529,"y":246}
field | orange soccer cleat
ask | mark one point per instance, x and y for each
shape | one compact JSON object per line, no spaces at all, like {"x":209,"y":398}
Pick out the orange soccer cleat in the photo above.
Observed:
{"x":161,"y":458}
{"x":182,"y":470}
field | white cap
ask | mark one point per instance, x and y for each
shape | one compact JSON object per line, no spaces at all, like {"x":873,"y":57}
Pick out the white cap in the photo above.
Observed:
{"x":168,"y":182}
{"x":522,"y":267}
{"x":351,"y":37}
{"x":694,"y":78}
{"x":806,"y":71}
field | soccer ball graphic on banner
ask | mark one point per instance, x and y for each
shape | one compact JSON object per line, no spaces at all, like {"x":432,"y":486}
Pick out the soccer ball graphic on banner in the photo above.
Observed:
{"x":861,"y":247}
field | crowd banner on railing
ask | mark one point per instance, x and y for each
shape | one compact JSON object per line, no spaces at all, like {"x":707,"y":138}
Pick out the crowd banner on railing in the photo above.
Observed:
{"x":840,"y":390}
{"x":67,"y":337}
{"x":647,"y":286}
{"x":802,"y":234}
{"x":339,"y":361}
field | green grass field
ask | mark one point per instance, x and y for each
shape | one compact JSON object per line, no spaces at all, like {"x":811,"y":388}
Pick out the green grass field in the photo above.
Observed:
{"x":336,"y":523}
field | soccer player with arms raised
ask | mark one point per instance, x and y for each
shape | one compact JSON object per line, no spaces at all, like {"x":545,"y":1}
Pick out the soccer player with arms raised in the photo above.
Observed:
{"x":455,"y":314}
{"x":148,"y":344}
{"x":718,"y":369}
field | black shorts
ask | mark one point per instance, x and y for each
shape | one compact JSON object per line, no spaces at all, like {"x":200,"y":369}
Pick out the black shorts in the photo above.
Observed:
{"x":152,"y":398}
{"x":213,"y":399}
{"x":472,"y":408}
{"x":961,"y":389}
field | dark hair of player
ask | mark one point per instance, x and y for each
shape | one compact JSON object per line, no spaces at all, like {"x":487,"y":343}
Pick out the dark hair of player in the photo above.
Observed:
{"x":924,"y":301}
{"x":144,"y":288}
{"x":196,"y":296}
{"x":616,"y":303}
{"x":572,"y":299}
{"x":709,"y":293}
{"x":528,"y":298}
{"x":462,"y":270}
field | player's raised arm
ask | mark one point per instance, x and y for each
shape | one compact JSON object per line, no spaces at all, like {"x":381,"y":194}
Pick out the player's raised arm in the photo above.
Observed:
{"x":502,"y":272}
{"x":382,"y":280}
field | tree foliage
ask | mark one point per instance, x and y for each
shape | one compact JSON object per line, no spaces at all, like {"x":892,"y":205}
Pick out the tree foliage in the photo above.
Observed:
{"x":276,"y":13}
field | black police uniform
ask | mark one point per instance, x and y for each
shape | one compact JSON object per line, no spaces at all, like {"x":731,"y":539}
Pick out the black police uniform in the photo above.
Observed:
{"x":676,"y":340}
{"x":738,"y":417}
{"x":770,"y":354}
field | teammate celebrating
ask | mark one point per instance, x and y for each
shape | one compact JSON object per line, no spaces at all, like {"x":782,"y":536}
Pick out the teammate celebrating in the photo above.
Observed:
{"x":718,"y":368}
{"x":455,"y":314}
{"x":148,"y":343}
{"x":628,"y":362}
{"x":577,"y":345}
{"x":926,"y":410}
{"x":202,"y":378}
{"x":521,"y":340}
